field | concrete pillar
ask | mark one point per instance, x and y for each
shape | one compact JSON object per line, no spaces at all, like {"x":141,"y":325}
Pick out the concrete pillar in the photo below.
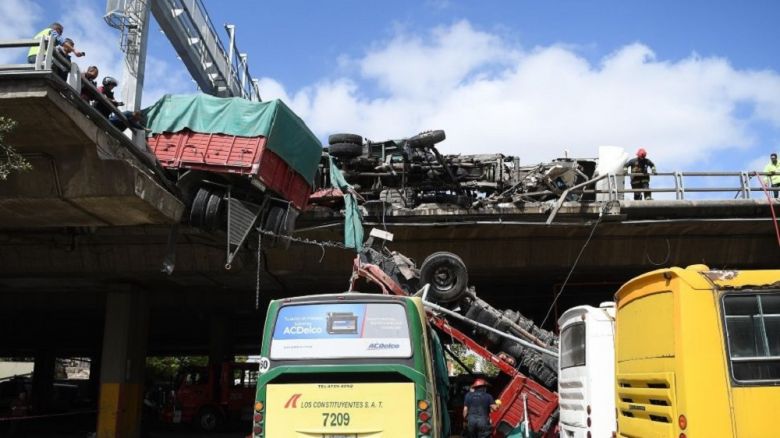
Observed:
{"x":43,"y":380}
{"x":122,"y":365}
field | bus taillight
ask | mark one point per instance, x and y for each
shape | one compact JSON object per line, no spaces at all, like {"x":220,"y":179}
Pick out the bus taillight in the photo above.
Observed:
{"x":257,"y":419}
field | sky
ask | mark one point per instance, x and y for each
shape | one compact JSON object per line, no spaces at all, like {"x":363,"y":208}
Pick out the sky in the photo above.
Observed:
{"x":696,"y":83}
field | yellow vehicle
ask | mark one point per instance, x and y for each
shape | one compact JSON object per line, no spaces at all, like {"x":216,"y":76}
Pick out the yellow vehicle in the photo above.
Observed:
{"x":697,"y":354}
{"x":350,"y":366}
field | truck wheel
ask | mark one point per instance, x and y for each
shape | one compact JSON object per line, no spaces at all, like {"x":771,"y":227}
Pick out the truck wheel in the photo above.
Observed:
{"x":198,"y":208}
{"x":447,"y":275}
{"x":209,"y":419}
{"x":345,"y":150}
{"x":345,"y":138}
{"x":212,"y":219}
{"x":426,"y":139}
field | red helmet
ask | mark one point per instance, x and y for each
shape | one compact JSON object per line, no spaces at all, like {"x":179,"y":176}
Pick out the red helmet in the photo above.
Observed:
{"x":479,"y":382}
{"x":641,"y":153}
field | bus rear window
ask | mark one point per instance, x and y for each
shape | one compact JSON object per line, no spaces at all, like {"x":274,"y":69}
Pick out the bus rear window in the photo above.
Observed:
{"x":573,"y":345}
{"x":753,"y":332}
{"x":341,"y":330}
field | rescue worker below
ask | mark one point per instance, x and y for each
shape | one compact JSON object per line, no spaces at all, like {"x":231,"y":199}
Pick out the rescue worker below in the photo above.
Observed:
{"x":640,"y":178}
{"x":772,"y":169}
{"x":477,"y":406}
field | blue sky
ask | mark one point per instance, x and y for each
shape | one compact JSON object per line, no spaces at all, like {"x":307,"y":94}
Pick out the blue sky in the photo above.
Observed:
{"x":695,"y":82}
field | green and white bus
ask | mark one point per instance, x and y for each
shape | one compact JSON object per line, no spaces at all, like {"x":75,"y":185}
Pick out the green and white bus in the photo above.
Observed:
{"x":350,"y":366}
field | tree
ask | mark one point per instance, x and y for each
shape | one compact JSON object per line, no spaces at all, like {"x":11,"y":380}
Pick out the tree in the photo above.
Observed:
{"x":10,"y":159}
{"x":165,"y":368}
{"x":475,"y":363}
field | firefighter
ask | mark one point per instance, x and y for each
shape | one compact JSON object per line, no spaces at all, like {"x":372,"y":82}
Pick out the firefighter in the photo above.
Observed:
{"x":641,"y":178}
{"x":477,"y":406}
{"x":772,"y":169}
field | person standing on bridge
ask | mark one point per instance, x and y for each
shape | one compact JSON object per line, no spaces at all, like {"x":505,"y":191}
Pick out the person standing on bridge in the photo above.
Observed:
{"x":54,"y":32}
{"x":89,"y":76}
{"x":773,"y":171}
{"x":640,"y":178}
{"x":477,"y":406}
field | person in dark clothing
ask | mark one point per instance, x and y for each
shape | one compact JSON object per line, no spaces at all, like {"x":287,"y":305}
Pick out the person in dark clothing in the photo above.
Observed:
{"x":640,"y":165}
{"x":64,"y":49}
{"x":135,"y":120}
{"x":476,"y":410}
{"x":107,"y":90}
{"x":89,"y":76}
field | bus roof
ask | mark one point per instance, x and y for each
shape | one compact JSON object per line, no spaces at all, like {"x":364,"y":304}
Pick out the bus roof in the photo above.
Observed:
{"x":699,"y":277}
{"x":346,"y":296}
{"x":601,"y":313}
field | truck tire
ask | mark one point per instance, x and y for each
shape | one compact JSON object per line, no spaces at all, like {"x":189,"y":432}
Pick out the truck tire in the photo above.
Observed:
{"x":345,"y":138}
{"x":198,"y":207}
{"x":447,"y":275}
{"x":345,"y":150}
{"x":426,"y":139}
{"x":212,"y":219}
{"x":209,"y":419}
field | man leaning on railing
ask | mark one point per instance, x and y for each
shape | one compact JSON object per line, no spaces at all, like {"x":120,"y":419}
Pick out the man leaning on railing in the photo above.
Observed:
{"x":54,"y":31}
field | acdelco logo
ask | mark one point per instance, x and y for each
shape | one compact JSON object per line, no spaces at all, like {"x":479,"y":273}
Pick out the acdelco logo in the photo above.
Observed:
{"x":382,"y":346}
{"x":298,"y":330}
{"x":292,"y":402}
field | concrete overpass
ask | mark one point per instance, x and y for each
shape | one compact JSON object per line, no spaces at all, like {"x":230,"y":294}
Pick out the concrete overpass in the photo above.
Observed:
{"x":83,"y":237}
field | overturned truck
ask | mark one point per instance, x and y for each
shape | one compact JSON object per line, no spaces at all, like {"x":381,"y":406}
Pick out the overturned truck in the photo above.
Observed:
{"x":411,"y":171}
{"x":505,"y":338}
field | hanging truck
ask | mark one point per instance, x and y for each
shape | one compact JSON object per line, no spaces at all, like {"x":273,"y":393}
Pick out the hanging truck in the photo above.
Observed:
{"x":237,"y":162}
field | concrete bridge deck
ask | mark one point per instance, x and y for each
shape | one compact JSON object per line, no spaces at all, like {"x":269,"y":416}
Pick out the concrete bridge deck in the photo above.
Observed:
{"x":84,"y":171}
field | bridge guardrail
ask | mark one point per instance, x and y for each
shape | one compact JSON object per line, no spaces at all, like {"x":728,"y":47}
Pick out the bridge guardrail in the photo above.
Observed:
{"x":48,"y":59}
{"x":616,"y":190}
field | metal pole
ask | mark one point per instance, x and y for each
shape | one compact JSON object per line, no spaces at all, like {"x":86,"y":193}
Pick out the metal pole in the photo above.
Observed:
{"x":460,"y":317}
{"x":231,"y":30}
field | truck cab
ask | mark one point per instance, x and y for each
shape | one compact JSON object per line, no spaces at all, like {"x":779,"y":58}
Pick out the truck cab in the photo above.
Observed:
{"x":586,"y":371}
{"x":209,"y":396}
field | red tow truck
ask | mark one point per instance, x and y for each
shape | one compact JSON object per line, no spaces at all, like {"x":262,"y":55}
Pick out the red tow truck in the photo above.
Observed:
{"x":528,"y":407}
{"x":211,"y":396}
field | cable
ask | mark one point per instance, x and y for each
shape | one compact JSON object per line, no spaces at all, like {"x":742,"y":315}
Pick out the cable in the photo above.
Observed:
{"x":582,"y":250}
{"x":668,"y":254}
{"x":771,"y":206}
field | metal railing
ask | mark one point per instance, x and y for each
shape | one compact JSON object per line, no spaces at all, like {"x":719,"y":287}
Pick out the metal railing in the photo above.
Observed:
{"x":616,"y":186}
{"x":218,"y":71}
{"x":47,"y":60}
{"x":51,"y":60}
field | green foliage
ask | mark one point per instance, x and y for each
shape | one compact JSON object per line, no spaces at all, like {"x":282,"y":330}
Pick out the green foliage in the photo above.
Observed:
{"x":165,"y":368}
{"x":10,"y":160}
{"x":475,"y":363}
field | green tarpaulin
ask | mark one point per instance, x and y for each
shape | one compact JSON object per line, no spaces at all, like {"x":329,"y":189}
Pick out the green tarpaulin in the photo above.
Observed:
{"x":286,"y":134}
{"x":353,"y":222}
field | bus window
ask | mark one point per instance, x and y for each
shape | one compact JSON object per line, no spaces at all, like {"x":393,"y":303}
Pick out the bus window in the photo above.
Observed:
{"x":341,"y":330}
{"x":753,"y":333}
{"x":573,"y":345}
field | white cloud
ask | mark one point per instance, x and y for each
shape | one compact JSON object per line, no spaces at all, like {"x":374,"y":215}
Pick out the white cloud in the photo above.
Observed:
{"x":18,"y":19}
{"x":492,"y":96}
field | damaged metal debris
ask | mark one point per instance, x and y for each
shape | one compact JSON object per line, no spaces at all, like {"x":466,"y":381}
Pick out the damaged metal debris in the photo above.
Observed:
{"x":409,"y":172}
{"x":447,"y":277}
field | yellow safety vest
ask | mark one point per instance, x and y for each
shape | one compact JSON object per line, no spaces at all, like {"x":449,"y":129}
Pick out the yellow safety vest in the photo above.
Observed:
{"x":772,"y":179}
{"x":34,"y":49}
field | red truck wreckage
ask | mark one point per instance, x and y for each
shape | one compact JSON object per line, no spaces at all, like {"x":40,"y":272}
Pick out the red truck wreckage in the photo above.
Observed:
{"x":524,"y":354}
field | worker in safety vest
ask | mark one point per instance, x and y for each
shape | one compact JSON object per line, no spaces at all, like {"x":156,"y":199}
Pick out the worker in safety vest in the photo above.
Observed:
{"x":54,"y":32}
{"x":773,"y":169}
{"x":641,"y":179}
{"x":476,"y":410}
